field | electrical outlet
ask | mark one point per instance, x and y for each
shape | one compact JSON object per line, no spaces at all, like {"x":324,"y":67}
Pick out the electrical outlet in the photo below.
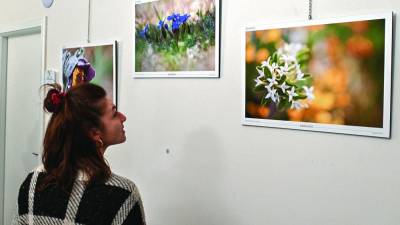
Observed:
{"x":50,"y":76}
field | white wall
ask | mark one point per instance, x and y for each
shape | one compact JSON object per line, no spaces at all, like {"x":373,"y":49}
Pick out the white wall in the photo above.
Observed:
{"x":218,"y":171}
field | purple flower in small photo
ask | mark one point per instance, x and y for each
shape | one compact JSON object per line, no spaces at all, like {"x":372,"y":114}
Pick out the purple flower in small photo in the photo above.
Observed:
{"x":143,"y":32}
{"x":89,"y":70}
{"x":175,"y":25}
{"x":184,"y":18}
{"x":160,"y":24}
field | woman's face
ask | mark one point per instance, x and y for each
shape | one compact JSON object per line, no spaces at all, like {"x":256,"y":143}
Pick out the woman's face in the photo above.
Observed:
{"x":113,"y":128}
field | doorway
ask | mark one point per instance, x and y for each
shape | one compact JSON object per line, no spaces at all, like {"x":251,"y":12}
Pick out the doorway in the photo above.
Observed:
{"x":22,"y":50}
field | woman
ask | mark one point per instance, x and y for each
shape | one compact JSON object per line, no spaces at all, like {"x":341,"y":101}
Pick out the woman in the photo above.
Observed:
{"x":75,"y":185}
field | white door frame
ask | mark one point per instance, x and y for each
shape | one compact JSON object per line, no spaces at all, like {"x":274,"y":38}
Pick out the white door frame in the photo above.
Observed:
{"x":19,"y":29}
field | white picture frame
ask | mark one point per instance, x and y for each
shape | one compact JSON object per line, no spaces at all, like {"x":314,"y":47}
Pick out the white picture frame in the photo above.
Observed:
{"x":205,"y":64}
{"x":109,"y":77}
{"x":382,"y":131}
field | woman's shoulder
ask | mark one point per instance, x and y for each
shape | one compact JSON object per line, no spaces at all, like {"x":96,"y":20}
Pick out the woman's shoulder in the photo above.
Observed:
{"x":32,"y":174}
{"x":124,"y":183}
{"x":26,"y":186}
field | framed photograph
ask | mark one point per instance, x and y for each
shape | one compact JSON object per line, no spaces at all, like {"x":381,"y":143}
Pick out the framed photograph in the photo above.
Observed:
{"x":330,"y":75}
{"x":176,"y":38}
{"x":94,"y":63}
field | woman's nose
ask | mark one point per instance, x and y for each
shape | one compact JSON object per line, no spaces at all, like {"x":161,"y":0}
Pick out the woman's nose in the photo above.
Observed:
{"x":122,"y":116}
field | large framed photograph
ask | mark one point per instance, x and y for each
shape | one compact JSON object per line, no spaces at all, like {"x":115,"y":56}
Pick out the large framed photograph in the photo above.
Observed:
{"x":176,"y":38}
{"x":330,"y":75}
{"x":94,"y":63}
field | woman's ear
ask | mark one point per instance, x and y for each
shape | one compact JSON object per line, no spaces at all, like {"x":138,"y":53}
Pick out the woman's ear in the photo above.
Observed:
{"x":94,"y":134}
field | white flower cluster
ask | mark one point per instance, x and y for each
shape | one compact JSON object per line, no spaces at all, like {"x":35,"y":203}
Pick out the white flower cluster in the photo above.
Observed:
{"x":281,"y":75}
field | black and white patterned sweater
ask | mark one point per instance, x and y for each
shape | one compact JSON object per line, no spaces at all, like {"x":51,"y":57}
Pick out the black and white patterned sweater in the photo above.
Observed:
{"x":116,"y":202}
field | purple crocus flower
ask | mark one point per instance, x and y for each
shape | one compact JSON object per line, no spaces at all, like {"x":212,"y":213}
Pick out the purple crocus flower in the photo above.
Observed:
{"x":160,"y":24}
{"x":83,"y":64}
{"x":89,"y":70}
{"x":184,"y":18}
{"x":175,"y":25}
{"x":73,"y":61}
{"x":171,"y":17}
{"x":143,"y":32}
{"x":178,"y":20}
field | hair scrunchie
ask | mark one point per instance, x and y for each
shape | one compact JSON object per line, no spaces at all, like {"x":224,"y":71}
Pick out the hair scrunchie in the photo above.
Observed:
{"x":56,"y":100}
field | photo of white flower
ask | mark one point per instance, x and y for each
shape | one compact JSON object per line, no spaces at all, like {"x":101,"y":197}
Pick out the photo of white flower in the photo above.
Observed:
{"x":329,"y":75}
{"x":274,"y":80}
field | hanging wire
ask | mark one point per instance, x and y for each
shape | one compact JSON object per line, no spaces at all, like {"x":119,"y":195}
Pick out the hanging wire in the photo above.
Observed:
{"x":88,"y":27}
{"x":310,"y":9}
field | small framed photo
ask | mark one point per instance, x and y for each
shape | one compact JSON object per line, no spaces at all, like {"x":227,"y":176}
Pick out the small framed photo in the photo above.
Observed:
{"x":176,"y":38}
{"x":94,"y":63}
{"x":331,"y":75}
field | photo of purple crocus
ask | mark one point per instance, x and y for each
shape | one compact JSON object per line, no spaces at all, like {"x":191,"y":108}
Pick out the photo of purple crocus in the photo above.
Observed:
{"x":90,"y":64}
{"x":176,"y":36}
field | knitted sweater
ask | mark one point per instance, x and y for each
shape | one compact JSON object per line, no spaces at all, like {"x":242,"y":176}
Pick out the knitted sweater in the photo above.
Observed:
{"x":116,"y":202}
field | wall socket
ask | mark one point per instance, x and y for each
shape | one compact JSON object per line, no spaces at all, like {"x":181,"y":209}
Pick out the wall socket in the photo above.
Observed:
{"x":50,"y":76}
